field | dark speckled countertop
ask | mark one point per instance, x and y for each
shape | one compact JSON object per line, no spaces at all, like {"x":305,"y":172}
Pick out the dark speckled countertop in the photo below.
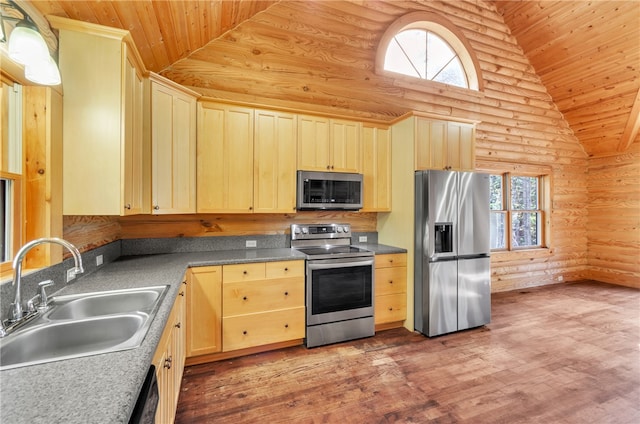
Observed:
{"x":103,"y":388}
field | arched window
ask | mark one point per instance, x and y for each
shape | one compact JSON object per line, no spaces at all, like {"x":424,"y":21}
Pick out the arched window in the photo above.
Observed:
{"x":426,"y":46}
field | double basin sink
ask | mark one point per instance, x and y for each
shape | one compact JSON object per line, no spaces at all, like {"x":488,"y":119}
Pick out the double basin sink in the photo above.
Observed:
{"x":82,"y":325}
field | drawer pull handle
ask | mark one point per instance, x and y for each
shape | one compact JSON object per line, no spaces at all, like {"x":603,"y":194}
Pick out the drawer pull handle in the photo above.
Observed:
{"x":244,"y":298}
{"x":244,"y":332}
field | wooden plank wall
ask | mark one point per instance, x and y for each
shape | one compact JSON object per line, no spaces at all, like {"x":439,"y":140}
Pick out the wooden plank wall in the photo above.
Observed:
{"x":614,"y":218}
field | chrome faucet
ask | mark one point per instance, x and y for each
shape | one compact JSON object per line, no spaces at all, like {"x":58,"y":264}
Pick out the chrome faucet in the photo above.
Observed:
{"x":16,"y":313}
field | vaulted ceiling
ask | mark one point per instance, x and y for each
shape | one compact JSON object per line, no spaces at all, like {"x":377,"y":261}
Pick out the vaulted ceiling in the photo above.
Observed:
{"x":587,"y":53}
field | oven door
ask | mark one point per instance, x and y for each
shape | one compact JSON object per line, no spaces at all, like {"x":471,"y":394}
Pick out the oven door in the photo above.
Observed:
{"x":339,"y":289}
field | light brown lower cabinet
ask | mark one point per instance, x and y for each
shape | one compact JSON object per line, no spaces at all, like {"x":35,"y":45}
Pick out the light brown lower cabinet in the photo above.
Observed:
{"x":169,"y":360}
{"x":243,"y":306}
{"x":263,"y":303}
{"x":391,"y":290}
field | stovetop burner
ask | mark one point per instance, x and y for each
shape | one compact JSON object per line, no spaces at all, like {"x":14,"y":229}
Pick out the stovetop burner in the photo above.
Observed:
{"x":325,"y":241}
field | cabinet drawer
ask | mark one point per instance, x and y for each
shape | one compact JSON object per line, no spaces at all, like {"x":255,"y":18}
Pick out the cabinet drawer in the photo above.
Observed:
{"x":390,"y":308}
{"x":244,"y":331}
{"x":243,"y":272}
{"x":260,"y":296}
{"x":391,"y":280}
{"x":394,"y":259}
{"x":285,"y":269}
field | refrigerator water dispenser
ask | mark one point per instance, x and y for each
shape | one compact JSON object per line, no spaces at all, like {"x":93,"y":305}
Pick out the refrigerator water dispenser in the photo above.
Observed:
{"x":443,"y":237}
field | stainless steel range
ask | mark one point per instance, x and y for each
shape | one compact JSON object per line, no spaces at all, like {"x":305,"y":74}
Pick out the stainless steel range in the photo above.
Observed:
{"x":339,"y":284}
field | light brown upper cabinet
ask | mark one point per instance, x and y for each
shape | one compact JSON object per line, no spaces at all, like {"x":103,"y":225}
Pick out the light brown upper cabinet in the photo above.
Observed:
{"x":106,"y":156}
{"x":274,"y":171}
{"x":444,"y":145}
{"x":328,"y":144}
{"x":376,"y":169}
{"x":173,"y":146}
{"x":246,"y":160}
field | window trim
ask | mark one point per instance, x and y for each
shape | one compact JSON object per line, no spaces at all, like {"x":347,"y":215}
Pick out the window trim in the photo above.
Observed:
{"x":545,"y":191}
{"x":443,"y":28}
{"x":17,"y":201}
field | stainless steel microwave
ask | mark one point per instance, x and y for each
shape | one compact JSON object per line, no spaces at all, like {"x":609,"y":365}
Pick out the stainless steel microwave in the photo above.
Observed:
{"x":329,"y":191}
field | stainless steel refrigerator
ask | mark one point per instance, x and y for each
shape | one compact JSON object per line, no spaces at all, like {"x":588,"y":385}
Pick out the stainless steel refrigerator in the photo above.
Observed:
{"x":452,"y":266}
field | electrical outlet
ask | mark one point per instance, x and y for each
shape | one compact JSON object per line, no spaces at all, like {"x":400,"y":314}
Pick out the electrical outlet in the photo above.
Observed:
{"x":362,"y":239}
{"x":71,"y":274}
{"x":98,"y":260}
{"x":251,"y":243}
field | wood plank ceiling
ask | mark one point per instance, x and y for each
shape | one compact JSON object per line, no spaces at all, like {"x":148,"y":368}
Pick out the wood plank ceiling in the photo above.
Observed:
{"x":586,"y":53}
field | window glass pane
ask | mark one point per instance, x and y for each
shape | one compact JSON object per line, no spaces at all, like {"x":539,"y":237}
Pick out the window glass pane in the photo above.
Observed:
{"x":498,"y":231}
{"x":5,"y":222}
{"x":496,"y":202}
{"x":524,"y":229}
{"x":439,"y":54}
{"x":453,"y":74}
{"x":407,"y":54}
{"x":524,"y":193}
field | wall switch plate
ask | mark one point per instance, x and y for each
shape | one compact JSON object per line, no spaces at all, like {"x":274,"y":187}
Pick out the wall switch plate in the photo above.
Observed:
{"x":98,"y":260}
{"x":251,"y":243}
{"x":71,"y":274}
{"x":362,"y":239}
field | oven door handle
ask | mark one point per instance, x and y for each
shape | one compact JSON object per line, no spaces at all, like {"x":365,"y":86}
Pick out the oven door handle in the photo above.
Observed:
{"x":339,"y":263}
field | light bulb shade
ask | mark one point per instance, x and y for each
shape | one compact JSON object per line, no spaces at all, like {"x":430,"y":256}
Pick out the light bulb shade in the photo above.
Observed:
{"x":26,"y":45}
{"x":43,"y":72}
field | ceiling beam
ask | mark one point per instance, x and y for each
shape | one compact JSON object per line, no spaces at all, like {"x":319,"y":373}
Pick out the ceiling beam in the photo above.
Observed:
{"x":633,"y":125}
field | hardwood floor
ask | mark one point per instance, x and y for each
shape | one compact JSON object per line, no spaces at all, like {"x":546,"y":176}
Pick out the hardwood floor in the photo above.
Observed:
{"x":557,"y":354}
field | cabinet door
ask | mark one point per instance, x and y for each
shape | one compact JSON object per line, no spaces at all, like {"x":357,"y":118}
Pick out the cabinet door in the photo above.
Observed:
{"x":345,"y":146}
{"x":135,"y":169}
{"x":376,"y":169}
{"x":431,"y":144}
{"x":313,"y":143}
{"x":204,"y":311}
{"x":225,"y":159}
{"x":461,"y":146}
{"x":274,"y":162}
{"x":173,"y":150}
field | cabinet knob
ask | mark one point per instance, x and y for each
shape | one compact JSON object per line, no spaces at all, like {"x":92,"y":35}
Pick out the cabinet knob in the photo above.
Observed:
{"x":181,"y":293}
{"x":286,"y":326}
{"x":244,"y":332}
{"x":178,"y":325}
{"x":390,"y":281}
{"x":244,"y":298}
{"x":390,"y":309}
{"x":127,"y":206}
{"x":286,"y":293}
{"x":156,"y":208}
{"x":328,"y":167}
{"x":167,"y":362}
{"x":245,"y":272}
{"x":286,"y":269}
{"x":250,"y":208}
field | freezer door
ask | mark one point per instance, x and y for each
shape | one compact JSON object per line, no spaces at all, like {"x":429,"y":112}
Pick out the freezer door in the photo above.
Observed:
{"x":473,"y":214}
{"x":474,"y":293}
{"x":443,"y":297}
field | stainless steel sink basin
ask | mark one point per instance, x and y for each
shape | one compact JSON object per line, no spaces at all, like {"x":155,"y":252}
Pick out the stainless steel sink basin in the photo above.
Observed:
{"x":71,"y":339}
{"x":104,"y":303}
{"x":83,"y":325}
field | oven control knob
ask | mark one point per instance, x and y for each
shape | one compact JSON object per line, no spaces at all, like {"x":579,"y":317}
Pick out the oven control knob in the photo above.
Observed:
{"x":296,"y":230}
{"x":339,"y":229}
{"x":305,"y":230}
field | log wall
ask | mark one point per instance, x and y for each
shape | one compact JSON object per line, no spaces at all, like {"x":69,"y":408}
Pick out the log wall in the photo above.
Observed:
{"x":614,"y":218}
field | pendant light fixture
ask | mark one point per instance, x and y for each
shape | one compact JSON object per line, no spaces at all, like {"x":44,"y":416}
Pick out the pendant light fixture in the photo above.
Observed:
{"x":28,"y":48}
